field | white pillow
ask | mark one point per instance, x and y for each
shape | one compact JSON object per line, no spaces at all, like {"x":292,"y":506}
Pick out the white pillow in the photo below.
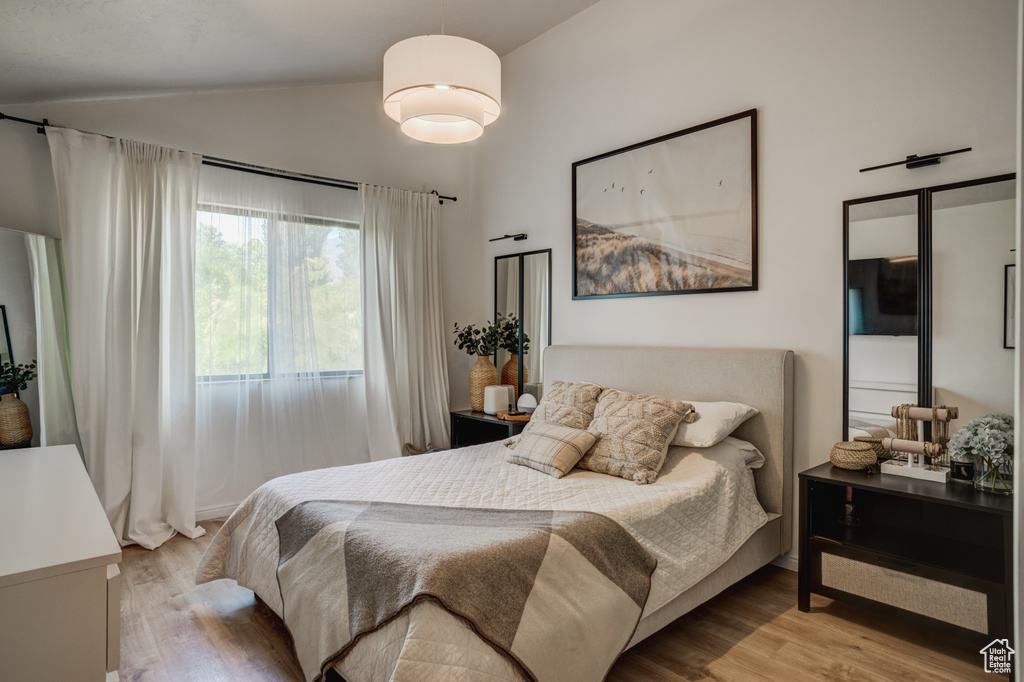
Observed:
{"x":751,"y":455}
{"x":717,"y":420}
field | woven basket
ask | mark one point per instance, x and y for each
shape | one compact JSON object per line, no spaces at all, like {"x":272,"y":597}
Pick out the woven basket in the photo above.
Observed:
{"x":510,"y":374}
{"x":852,"y":455}
{"x":876,"y":445}
{"x":482,"y":374}
{"x":15,"y":424}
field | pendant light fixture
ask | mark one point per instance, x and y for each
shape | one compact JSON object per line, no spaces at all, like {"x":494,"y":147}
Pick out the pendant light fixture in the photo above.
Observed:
{"x":442,"y":89}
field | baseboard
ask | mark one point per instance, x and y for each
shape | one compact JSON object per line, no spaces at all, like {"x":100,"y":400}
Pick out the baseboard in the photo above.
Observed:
{"x":788,"y":561}
{"x":215,"y":512}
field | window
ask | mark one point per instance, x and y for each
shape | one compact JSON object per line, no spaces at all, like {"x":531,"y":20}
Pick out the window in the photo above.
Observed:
{"x":276,"y":295}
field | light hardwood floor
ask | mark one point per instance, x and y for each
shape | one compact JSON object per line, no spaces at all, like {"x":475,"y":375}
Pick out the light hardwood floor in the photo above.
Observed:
{"x":174,"y":630}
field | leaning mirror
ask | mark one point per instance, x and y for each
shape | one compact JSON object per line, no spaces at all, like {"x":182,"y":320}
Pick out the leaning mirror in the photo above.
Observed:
{"x":522,"y":290}
{"x":881,"y":312}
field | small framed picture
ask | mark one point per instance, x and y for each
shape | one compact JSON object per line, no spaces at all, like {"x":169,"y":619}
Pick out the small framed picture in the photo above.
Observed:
{"x":1009,"y":306}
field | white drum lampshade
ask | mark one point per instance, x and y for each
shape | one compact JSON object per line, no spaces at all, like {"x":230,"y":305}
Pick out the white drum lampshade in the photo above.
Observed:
{"x":442,"y":89}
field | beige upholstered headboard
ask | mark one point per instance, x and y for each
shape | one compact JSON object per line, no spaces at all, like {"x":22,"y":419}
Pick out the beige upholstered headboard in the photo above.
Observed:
{"x":762,"y":378}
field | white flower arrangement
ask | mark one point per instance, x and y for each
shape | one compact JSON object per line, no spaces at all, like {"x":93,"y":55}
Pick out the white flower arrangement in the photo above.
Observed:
{"x":989,"y":441}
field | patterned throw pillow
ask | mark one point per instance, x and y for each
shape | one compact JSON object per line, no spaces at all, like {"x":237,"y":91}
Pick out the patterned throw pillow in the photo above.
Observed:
{"x":569,"y":404}
{"x":566,"y":403}
{"x":635,"y":434}
{"x":551,"y":448}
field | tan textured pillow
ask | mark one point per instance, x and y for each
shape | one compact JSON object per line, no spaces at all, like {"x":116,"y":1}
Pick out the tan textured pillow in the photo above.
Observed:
{"x":551,"y":448}
{"x":636,"y":431}
{"x":569,"y":404}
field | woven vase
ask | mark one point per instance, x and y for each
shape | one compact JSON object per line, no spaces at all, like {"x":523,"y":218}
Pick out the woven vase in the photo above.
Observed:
{"x":510,"y":374}
{"x":482,"y":374}
{"x":15,"y":424}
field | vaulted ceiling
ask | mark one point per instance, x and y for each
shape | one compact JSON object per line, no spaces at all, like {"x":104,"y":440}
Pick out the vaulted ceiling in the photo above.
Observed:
{"x":63,"y":49}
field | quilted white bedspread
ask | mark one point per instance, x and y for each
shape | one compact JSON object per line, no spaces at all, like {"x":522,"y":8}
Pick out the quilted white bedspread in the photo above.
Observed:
{"x":693,"y":518}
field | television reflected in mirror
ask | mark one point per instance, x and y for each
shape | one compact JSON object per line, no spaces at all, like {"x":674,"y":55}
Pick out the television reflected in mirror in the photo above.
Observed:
{"x":883,"y":296}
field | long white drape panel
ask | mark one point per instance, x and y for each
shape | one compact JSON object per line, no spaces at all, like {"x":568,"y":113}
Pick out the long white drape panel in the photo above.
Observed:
{"x":127,"y":213}
{"x":279,"y":348}
{"x":49,"y":291}
{"x":406,"y":366}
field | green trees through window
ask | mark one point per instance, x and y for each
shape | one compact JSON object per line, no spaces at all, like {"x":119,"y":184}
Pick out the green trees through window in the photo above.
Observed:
{"x":276,"y":295}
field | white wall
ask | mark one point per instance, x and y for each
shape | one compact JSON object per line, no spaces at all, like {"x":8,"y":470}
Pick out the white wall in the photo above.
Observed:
{"x":336,"y":131}
{"x":838,"y":86}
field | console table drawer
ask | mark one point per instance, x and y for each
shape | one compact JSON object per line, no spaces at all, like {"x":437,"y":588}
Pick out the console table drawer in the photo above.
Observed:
{"x":974,"y":606}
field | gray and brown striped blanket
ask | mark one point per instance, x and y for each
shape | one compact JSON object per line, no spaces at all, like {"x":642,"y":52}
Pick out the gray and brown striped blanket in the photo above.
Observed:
{"x":558,"y":593}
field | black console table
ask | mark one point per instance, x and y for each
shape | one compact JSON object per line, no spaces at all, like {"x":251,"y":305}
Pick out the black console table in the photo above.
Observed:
{"x":938,"y":555}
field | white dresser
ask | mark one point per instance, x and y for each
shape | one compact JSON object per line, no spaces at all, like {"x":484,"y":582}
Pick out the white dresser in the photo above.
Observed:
{"x":59,"y":583}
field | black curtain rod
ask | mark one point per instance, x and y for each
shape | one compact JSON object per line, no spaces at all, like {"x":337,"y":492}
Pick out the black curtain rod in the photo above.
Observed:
{"x":246,"y":167}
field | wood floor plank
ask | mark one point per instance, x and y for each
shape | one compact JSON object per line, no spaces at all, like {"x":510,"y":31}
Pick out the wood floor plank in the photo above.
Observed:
{"x":173,"y":630}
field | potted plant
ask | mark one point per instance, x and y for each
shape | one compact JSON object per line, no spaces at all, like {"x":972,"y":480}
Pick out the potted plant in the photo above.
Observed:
{"x":481,"y":342}
{"x":15,"y":423}
{"x":989,"y":442}
{"x":508,"y":340}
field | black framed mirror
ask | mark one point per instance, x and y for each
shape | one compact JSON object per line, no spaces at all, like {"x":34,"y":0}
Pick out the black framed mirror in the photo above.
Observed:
{"x":6,"y":352}
{"x":522,"y":289}
{"x":924,"y":311}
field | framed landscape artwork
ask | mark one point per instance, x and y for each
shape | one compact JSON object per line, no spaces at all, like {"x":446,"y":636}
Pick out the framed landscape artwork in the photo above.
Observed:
{"x":672,"y":215}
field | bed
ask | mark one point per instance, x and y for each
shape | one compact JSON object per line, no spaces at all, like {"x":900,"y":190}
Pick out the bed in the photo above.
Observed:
{"x":698,"y":554}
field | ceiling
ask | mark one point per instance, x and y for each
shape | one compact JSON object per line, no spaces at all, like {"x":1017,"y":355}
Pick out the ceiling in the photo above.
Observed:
{"x":65,"y":49}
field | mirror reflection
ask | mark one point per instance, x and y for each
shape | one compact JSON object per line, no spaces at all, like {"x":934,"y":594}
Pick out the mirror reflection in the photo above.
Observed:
{"x":32,"y":291}
{"x":970,"y":366}
{"x":882,"y":312}
{"x":533,"y":310}
{"x":19,"y":312}
{"x":931,"y":328}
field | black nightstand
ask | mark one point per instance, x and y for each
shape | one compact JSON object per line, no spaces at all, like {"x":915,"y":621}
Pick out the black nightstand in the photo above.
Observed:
{"x":937,"y":555}
{"x":473,"y":428}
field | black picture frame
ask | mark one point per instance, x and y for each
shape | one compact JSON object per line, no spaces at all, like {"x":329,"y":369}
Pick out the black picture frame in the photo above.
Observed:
{"x":676,"y":214}
{"x":1009,"y":305}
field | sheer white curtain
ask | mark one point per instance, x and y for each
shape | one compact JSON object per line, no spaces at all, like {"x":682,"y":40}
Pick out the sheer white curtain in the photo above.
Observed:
{"x":279,"y":348}
{"x":127,"y":213}
{"x":49,"y":292}
{"x":406,"y":365}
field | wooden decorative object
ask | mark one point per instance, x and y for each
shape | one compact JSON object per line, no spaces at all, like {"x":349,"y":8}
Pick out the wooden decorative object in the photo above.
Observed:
{"x":482,"y":374}
{"x":506,"y":417}
{"x":15,"y":423}
{"x":852,"y":455}
{"x":510,"y":374}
